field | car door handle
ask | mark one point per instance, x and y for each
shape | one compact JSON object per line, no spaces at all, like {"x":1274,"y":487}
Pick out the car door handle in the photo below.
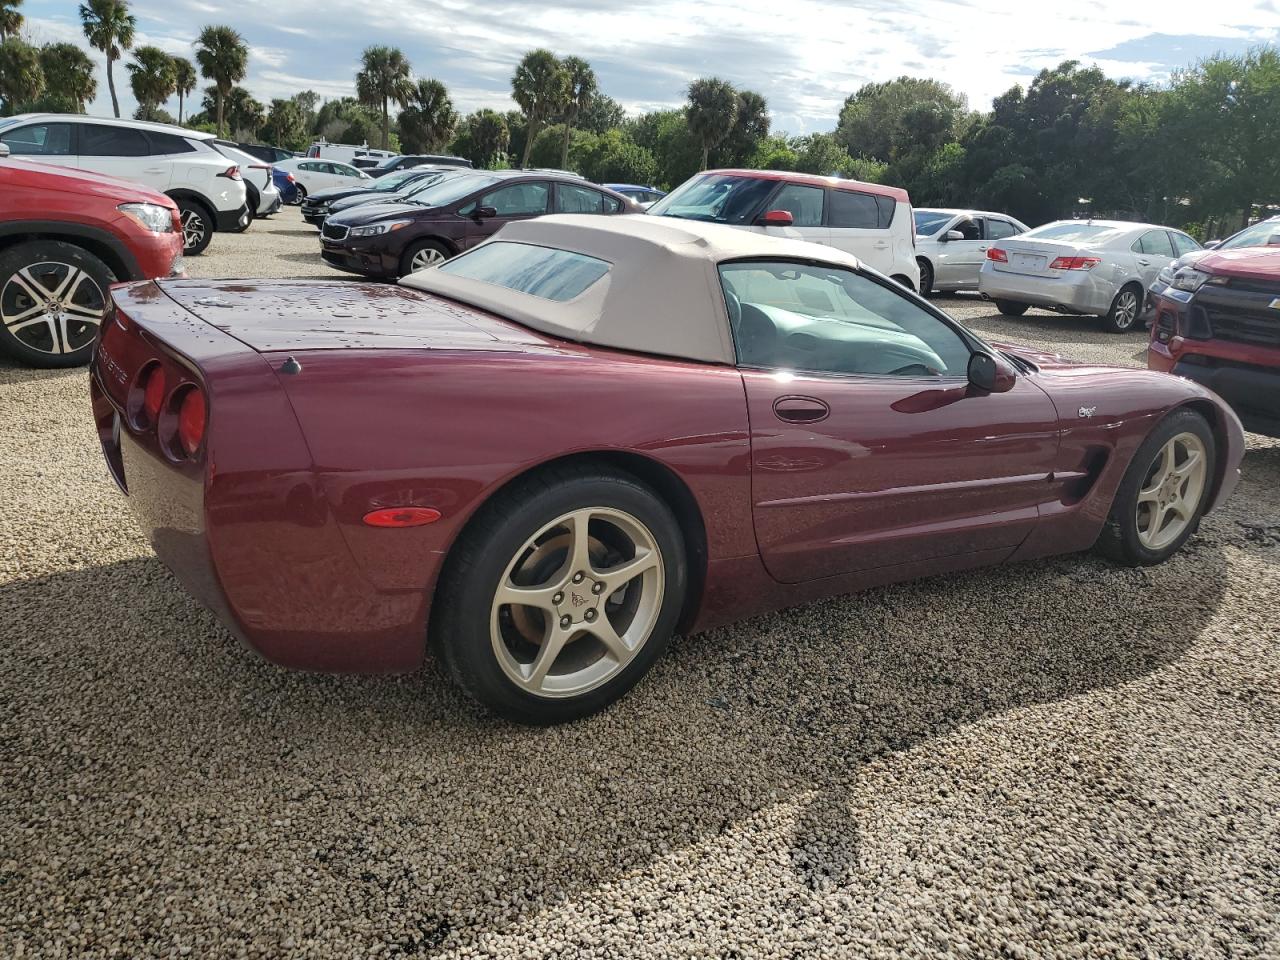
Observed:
{"x":982,"y":248}
{"x":1145,"y":263}
{"x":800,"y":409}
{"x":882,"y":245}
{"x":154,"y":170}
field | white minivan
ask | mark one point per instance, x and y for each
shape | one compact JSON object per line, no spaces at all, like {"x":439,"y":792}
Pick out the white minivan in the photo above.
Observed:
{"x":869,"y":220}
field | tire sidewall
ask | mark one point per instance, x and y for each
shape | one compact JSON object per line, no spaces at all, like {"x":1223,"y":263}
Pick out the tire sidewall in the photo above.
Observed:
{"x":24,"y":254}
{"x":1110,"y":321}
{"x":1123,"y":520}
{"x":195,"y":207}
{"x":926,"y":277}
{"x":464,"y":641}
{"x":1010,"y":308}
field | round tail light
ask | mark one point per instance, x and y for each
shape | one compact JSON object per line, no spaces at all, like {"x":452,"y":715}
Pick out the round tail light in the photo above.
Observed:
{"x":153,"y":392}
{"x":191,"y":420}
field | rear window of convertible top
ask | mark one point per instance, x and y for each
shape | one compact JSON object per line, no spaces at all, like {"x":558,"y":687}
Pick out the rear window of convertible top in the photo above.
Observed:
{"x":544,"y":272}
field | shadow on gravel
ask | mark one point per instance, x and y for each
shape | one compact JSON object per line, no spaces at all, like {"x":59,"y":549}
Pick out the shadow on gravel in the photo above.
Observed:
{"x":391,"y":799}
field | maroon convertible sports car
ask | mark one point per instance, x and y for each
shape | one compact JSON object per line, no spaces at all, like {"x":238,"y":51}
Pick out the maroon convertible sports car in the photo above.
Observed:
{"x":548,"y":454}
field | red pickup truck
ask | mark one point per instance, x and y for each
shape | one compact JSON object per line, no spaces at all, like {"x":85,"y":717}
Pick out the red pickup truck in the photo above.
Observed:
{"x":65,"y":236}
{"x":1218,"y":323}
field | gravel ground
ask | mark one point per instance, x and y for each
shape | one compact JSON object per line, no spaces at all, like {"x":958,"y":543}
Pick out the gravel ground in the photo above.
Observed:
{"x":1061,"y":759}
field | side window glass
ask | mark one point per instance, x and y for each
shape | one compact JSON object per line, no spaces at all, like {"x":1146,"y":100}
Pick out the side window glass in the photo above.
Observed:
{"x":165,"y":144}
{"x":851,"y":209}
{"x":1156,"y":243}
{"x":972,"y":229}
{"x":39,"y":140}
{"x":1184,"y":244}
{"x":999,"y":229}
{"x":801,"y":317}
{"x":885,"y":207}
{"x":518,"y":200}
{"x":802,"y":202}
{"x":575,"y":199}
{"x":103,"y":141}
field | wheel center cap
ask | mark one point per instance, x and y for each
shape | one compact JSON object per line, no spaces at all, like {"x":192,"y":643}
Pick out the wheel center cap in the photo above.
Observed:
{"x":579,"y":601}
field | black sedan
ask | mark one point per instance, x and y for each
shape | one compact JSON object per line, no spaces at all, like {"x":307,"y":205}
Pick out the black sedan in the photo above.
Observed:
{"x":315,"y":206}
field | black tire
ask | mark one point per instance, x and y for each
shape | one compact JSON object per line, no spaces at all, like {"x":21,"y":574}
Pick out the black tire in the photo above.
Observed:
{"x":198,"y":224}
{"x":1119,"y":540}
{"x":476,"y":566}
{"x":926,"y":277}
{"x":1125,"y":310}
{"x":302,"y":194}
{"x":1011,"y":308}
{"x":428,"y":248}
{"x":65,"y":340}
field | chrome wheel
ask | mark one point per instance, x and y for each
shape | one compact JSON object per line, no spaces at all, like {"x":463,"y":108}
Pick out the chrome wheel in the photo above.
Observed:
{"x":52,"y":307}
{"x":577,"y":602}
{"x":426,"y":257}
{"x":194,"y":229}
{"x":1125,"y":311}
{"x":1170,"y":495}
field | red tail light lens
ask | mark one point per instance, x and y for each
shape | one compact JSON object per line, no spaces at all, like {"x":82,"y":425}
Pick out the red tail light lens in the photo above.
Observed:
{"x":289,"y":177}
{"x":191,"y":420}
{"x":998,"y":255}
{"x":1074,"y":263}
{"x":153,"y":393}
{"x":231,"y":173}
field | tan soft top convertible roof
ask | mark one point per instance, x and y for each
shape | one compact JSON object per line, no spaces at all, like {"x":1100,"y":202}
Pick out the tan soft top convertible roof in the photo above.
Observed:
{"x":662,"y":292}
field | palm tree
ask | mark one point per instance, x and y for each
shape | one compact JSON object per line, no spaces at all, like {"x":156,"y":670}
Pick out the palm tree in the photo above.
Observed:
{"x":184,"y":80}
{"x":68,"y":73}
{"x":153,"y":79}
{"x":490,"y":134}
{"x":244,"y":114}
{"x":10,"y":18}
{"x":711,"y":112}
{"x":582,"y":90}
{"x":540,"y":86}
{"x":21,"y":78}
{"x":224,"y":59}
{"x":109,"y":26}
{"x":427,"y":124}
{"x":384,"y":77}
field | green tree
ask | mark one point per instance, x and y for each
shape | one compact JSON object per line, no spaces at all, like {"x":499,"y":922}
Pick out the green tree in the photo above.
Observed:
{"x":613,"y":157}
{"x":10,"y":19}
{"x":873,"y":122}
{"x":429,"y":121}
{"x":582,"y":89}
{"x":384,"y":77}
{"x":602,"y":114}
{"x":245,"y":116}
{"x":21,"y":78}
{"x":68,"y":74}
{"x":347,"y":120}
{"x":286,"y":125}
{"x":109,"y":27}
{"x":184,"y":81}
{"x":223,"y":58}
{"x":711,"y":112}
{"x":152,"y":78}
{"x":750,"y":127}
{"x":665,"y":134}
{"x":540,"y":86}
{"x":483,"y":138}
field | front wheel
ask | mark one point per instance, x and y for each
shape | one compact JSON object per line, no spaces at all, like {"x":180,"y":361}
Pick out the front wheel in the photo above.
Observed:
{"x":53,"y":297}
{"x":926,"y":277}
{"x":1163,"y":494}
{"x":1124,"y":311}
{"x":197,"y":227}
{"x":423,"y":254}
{"x":561,"y":595}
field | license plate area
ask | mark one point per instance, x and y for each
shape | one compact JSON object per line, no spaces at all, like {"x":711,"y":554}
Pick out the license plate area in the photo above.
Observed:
{"x":1028,"y":261}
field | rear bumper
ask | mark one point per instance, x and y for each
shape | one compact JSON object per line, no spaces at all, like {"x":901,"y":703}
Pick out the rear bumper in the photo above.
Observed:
{"x":232,"y":219}
{"x":1080,"y":293}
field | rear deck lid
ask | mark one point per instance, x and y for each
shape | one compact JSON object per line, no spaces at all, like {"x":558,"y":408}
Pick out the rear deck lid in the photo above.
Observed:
{"x":1034,"y":253}
{"x":283,"y":315}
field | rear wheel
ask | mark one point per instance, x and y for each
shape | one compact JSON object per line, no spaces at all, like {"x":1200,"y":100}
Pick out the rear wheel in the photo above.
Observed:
{"x":423,"y":254}
{"x":53,"y":297}
{"x":1125,"y":309}
{"x":926,"y":277}
{"x":903,"y":281}
{"x":561,"y":595}
{"x":1010,"y":308}
{"x":197,"y":227}
{"x":1163,"y":494}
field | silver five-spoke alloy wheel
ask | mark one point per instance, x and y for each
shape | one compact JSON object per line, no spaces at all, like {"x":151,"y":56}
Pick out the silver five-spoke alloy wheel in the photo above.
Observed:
{"x":52,"y":307}
{"x":1126,"y":311}
{"x":577,"y":602}
{"x":426,"y":257}
{"x":1170,"y":495}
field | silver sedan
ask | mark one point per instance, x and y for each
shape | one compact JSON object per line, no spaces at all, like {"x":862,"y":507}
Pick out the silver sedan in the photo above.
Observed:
{"x":1101,"y":268}
{"x":951,"y":245}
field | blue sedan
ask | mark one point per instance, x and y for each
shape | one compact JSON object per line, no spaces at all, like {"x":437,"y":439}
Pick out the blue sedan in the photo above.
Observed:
{"x":287,"y":186}
{"x":640,"y":194}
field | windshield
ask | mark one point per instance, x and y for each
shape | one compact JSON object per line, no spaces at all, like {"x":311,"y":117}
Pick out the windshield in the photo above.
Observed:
{"x":929,"y":222}
{"x":1071,"y":231}
{"x":715,"y":197}
{"x":393,"y":181}
{"x":438,"y":193}
{"x":1264,"y":234}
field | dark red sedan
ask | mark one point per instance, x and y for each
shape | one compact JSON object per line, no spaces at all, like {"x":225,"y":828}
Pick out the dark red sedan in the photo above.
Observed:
{"x":548,"y":454}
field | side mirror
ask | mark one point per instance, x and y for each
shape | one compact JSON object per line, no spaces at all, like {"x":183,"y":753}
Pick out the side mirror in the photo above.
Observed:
{"x":776,"y":218}
{"x":952,"y":235}
{"x":4,"y":149}
{"x":989,"y":374}
{"x":484,"y":213}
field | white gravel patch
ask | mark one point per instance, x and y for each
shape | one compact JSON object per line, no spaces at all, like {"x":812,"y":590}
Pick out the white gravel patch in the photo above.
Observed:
{"x":1062,"y":758}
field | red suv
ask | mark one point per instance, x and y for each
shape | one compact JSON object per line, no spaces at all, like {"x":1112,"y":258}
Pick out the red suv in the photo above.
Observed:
{"x":66,"y":236}
{"x":1218,"y":323}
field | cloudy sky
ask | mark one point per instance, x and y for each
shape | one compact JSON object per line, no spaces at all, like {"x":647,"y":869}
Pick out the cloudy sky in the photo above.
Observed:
{"x":805,"y":56}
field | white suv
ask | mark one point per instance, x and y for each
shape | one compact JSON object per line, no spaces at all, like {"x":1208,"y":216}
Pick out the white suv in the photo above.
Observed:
{"x":207,"y":188}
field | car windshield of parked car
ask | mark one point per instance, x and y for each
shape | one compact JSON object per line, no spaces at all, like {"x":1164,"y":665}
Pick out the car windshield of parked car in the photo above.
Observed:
{"x":544,"y":272}
{"x":1264,"y":234}
{"x":801,"y":317}
{"x":929,"y":222}
{"x":716,"y":197}
{"x":394,"y":181}
{"x":439,"y":193}
{"x":1072,"y":232}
